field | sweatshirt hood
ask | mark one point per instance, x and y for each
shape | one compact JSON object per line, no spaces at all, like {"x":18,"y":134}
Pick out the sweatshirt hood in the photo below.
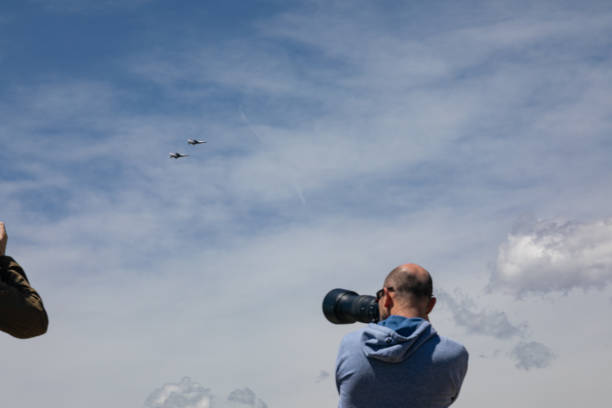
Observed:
{"x":396,"y":338}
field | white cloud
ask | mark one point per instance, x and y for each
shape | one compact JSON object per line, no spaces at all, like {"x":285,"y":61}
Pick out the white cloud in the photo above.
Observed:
{"x":555,"y":256}
{"x":532,"y":354}
{"x":185,"y":394}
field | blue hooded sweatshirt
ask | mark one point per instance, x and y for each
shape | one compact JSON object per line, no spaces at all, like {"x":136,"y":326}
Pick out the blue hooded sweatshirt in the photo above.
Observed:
{"x":399,"y":362}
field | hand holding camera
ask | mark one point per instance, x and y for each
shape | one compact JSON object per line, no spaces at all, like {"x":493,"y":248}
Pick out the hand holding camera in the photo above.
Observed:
{"x":3,"y":239}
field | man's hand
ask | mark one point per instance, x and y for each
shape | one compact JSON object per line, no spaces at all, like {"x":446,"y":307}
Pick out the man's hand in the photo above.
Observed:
{"x":3,"y":238}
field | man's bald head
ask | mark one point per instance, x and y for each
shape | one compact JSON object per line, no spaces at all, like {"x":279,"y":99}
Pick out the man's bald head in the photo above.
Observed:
{"x":410,"y":282}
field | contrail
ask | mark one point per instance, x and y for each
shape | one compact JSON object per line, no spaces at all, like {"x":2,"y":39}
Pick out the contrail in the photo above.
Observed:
{"x":298,"y":190}
{"x":248,"y":122}
{"x":295,"y":185}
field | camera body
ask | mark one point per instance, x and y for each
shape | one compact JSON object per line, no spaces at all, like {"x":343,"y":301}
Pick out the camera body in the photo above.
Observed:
{"x":342,"y":306}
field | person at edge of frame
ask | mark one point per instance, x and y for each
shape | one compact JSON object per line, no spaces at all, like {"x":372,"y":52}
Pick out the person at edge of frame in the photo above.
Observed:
{"x":22,"y":313}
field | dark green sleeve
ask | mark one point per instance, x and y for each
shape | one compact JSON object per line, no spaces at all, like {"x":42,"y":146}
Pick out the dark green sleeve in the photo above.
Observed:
{"x":22,"y":313}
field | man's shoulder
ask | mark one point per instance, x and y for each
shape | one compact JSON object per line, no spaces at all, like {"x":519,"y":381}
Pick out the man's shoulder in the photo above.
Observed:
{"x":448,"y":348}
{"x":451,"y":344}
{"x":357,"y":336}
{"x":352,"y":338}
{"x":352,"y":343}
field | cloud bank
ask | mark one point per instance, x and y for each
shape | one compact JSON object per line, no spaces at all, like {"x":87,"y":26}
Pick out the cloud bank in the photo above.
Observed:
{"x":555,"y":256}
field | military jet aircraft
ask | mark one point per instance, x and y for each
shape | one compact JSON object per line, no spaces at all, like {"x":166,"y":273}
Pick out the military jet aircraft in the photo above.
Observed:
{"x":177,"y":155}
{"x":194,"y":142}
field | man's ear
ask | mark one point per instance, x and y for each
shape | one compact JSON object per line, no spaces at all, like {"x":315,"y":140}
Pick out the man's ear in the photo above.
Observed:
{"x":430,"y":304}
{"x":388,"y":302}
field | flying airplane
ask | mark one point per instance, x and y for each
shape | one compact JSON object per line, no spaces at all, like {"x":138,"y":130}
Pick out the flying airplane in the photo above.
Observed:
{"x":177,"y":155}
{"x":194,"y":142}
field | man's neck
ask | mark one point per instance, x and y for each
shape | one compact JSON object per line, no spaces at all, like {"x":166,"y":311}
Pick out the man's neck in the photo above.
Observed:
{"x":408,"y":312}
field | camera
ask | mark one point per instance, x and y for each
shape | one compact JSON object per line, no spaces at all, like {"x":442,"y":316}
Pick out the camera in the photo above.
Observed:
{"x":342,"y":306}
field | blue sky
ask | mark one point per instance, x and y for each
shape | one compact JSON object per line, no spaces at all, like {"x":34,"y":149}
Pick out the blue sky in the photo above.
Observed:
{"x":343,"y":138}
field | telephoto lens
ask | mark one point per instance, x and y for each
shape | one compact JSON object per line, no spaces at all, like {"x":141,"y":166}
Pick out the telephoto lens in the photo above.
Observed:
{"x":341,"y":306}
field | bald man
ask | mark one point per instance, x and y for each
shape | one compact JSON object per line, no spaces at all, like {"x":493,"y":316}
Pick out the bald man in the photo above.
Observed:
{"x":401,"y":361}
{"x":22,"y":313}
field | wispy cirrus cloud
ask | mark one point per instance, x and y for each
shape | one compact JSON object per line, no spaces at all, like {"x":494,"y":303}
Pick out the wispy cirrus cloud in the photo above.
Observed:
{"x":367,"y":82}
